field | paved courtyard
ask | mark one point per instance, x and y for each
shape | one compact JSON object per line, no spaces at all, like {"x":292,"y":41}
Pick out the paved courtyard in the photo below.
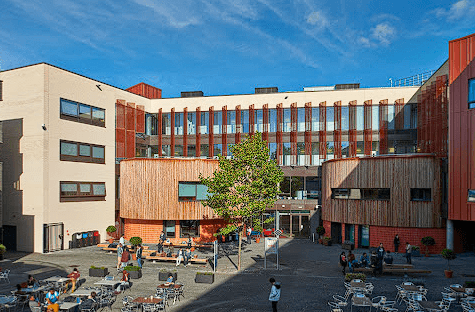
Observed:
{"x":309,"y":274}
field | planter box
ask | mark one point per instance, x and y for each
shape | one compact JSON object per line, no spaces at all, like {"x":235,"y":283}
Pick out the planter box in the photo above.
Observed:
{"x":98,"y":272}
{"x":135,"y":274}
{"x":350,"y":246}
{"x":162,"y":276}
{"x":204,"y":278}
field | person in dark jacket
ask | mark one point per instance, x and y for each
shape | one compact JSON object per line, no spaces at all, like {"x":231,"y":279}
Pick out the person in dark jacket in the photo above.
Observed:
{"x":138,"y":254}
{"x":274,"y":295}
{"x":396,"y":243}
{"x":388,"y":259}
{"x":343,"y":262}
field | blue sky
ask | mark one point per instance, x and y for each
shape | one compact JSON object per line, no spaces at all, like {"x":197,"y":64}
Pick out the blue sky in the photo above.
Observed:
{"x":231,"y":47}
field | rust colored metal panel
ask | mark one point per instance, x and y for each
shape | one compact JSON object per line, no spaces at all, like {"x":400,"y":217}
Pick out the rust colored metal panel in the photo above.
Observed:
{"x":211,"y":132}
{"x":252,"y":119}
{"x":383,"y":127}
{"x":198,"y":134}
{"x":120,"y":115}
{"x":322,"y":133}
{"x":146,"y":90}
{"x":352,"y":128}
{"x":368,"y":127}
{"x":337,"y":131}
{"x":237,"y":135}
{"x":130,"y":144}
{"x":130,"y":117}
{"x":399,"y":114}
{"x":224,"y":137}
{"x":280,"y":147}
{"x":120,"y":143}
{"x":293,"y":132}
{"x":265,"y":117}
{"x":461,"y":54}
{"x":140,"y":122}
{"x":172,"y":132}
{"x":159,"y":131}
{"x":308,"y":130}
{"x":185,"y":132}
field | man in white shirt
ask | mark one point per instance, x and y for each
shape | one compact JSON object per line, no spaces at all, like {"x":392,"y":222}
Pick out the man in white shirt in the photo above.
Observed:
{"x":122,"y":240}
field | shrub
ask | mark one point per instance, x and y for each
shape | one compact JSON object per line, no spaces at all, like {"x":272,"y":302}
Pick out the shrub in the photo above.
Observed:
{"x":2,"y":248}
{"x":448,"y":254}
{"x":94,"y":267}
{"x":204,"y":273}
{"x":428,"y":241}
{"x":415,"y":248}
{"x":135,"y":240}
{"x":351,"y":276}
{"x":111,"y":229}
{"x":320,"y":230}
{"x":131,"y":268}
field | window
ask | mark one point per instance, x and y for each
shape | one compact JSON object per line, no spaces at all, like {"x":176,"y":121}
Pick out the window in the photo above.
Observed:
{"x":204,"y":124}
{"x":178,"y":150}
{"x":359,"y":117}
{"x":82,"y":191}
{"x":231,"y":119}
{"x":287,"y":126}
{"x":166,"y":123}
{"x":151,"y":124}
{"x":191,"y":150}
{"x":471,"y":196}
{"x":345,"y":118}
{"x":315,"y":118}
{"x":301,"y":119}
{"x":340,"y":193}
{"x":204,"y":150}
{"x":1,"y":90}
{"x":245,"y":121}
{"x":272,"y":120}
{"x":217,"y":122}
{"x":82,"y":152}
{"x":169,"y":228}
{"x":471,"y":93}
{"x":189,"y":228}
{"x":421,"y":194}
{"x":178,"y":124}
{"x":192,"y":191}
{"x":83,"y":113}
{"x":191,"y":123}
{"x":330,"y":119}
{"x":364,"y":194}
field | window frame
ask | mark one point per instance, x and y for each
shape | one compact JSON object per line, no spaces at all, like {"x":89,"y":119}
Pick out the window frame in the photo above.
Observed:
{"x":165,"y":226}
{"x":471,"y":103}
{"x":190,"y":198}
{"x":361,"y":193}
{"x":423,"y":198}
{"x":79,"y":196}
{"x":473,"y":196}
{"x":78,"y":157}
{"x":77,"y":118}
{"x":186,"y":235}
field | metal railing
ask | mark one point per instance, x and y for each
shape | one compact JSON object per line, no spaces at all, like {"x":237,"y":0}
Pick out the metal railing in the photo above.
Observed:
{"x":416,"y":80}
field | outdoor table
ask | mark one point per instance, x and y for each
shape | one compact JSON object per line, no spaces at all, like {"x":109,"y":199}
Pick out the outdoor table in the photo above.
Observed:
{"x":56,"y":279}
{"x":458,"y":289}
{"x":147,"y":300}
{"x":68,"y":305}
{"x":108,"y":283}
{"x":7,"y":300}
{"x":410,"y":288}
{"x":429,"y":305}
{"x":85,"y":292}
{"x":176,"y":286}
{"x":360,"y":301}
{"x":34,"y":289}
{"x":358,"y":284}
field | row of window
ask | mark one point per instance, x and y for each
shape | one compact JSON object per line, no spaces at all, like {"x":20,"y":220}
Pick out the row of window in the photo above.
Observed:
{"x":231,"y":126}
{"x":82,"y":191}
{"x":300,"y":188}
{"x":417,"y":194}
{"x":83,"y":113}
{"x":188,"y":228}
{"x":82,"y":152}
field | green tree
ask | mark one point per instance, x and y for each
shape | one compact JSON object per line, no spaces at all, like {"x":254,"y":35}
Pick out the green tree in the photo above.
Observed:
{"x":243,"y":187}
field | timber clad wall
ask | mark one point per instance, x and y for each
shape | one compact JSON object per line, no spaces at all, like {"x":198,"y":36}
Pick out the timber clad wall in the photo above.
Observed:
{"x":149,"y":188}
{"x":400,"y":174}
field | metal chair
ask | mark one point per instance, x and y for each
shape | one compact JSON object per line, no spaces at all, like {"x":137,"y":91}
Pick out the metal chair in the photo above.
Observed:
{"x":334,"y":307}
{"x":5,"y":276}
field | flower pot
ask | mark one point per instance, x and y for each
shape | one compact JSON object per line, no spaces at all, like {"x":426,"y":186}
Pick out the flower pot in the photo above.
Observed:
{"x":448,"y":273}
{"x":134,"y":256}
{"x":258,"y":240}
{"x":98,"y":272}
{"x":135,"y":274}
{"x":111,"y":240}
{"x":204,"y":278}
{"x":163,"y":276}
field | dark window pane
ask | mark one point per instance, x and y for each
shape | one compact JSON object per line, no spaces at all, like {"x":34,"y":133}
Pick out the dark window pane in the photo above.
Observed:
{"x":169,"y":226}
{"x":471,"y":195}
{"x":189,"y":228}
{"x":69,"y":108}
{"x":69,"y":189}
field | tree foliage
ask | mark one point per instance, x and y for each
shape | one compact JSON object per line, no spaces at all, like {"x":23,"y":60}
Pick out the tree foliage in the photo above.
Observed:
{"x":243,"y":187}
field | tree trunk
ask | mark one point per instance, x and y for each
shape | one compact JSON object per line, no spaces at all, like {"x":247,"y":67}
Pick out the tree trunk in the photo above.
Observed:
{"x":239,"y":250}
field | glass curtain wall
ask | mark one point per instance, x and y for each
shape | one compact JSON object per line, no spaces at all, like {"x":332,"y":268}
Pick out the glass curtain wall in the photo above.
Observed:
{"x":286,"y":121}
{"x":301,"y":119}
{"x":345,"y":118}
{"x":330,"y":119}
{"x":191,"y":123}
{"x":360,"y":117}
{"x":178,"y":123}
{"x":315,"y":118}
{"x":272,"y":120}
{"x":166,"y":124}
{"x":231,"y":120}
{"x":218,"y":122}
{"x":258,"y":120}
{"x":204,"y":125}
{"x":245,"y":121}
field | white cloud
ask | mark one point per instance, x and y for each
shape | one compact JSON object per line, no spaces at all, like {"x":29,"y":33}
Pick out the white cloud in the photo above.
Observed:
{"x":365,"y":42}
{"x":317,"y":19}
{"x":176,"y":16}
{"x":383,"y":32}
{"x":460,"y":10}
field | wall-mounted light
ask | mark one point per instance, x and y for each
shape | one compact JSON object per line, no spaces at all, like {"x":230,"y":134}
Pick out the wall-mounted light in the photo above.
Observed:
{"x":43,"y":126}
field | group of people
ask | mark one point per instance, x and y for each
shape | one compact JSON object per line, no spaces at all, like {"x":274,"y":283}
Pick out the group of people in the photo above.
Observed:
{"x":123,"y":254}
{"x":408,"y":249}
{"x":376,"y":260}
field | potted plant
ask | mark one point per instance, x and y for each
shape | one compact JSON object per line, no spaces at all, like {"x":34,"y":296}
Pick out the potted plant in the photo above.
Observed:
{"x":98,"y":271}
{"x":3,"y":250}
{"x":327,"y":241}
{"x":320,"y":231}
{"x":204,"y":277}
{"x":135,"y":241}
{"x":134,"y":271}
{"x":448,"y":254}
{"x":351,"y":276}
{"x":416,"y":251}
{"x":427,"y":241}
{"x":163,"y":274}
{"x":111,"y":229}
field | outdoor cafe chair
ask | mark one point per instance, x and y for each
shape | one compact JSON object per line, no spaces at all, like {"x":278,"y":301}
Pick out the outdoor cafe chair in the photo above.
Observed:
{"x":5,"y":276}
{"x":341,"y":301}
{"x":449,"y":297}
{"x":466,"y":307}
{"x":334,"y":307}
{"x":376,"y":301}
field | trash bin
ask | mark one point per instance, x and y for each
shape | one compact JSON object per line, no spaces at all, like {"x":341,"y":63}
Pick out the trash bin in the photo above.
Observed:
{"x":84,"y":239}
{"x":90,"y":238}
{"x":77,"y":237}
{"x":96,"y":238}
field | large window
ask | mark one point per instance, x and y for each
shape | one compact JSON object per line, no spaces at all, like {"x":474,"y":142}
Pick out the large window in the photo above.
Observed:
{"x":189,"y":228}
{"x":192,"y":191}
{"x":315,"y":118}
{"x":166,"y":123}
{"x":245,"y":121}
{"x":471,"y":196}
{"x":218,"y":122}
{"x":301,"y":119}
{"x":82,"y":152}
{"x":286,"y":127}
{"x":83,"y":113}
{"x":471,"y":93}
{"x":178,"y":124}
{"x":151,"y":124}
{"x":204,"y":125}
{"x":191,"y":123}
{"x":82,"y":191}
{"x":204,"y":150}
{"x":330,"y":119}
{"x":364,"y":194}
{"x":231,"y":120}
{"x":258,"y":120}
{"x":375,"y":117}
{"x":273,"y":120}
{"x":169,"y":228}
{"x":421,"y":194}
{"x":345,"y":118}
{"x":359,"y":117}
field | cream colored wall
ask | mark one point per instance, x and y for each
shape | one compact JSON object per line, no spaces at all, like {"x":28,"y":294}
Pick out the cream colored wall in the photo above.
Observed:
{"x":286,"y":98}
{"x":23,"y":97}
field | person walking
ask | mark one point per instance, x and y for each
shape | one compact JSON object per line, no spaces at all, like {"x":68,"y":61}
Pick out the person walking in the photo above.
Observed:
{"x":122,"y":239}
{"x":396,"y":243}
{"x":125,"y":257}
{"x":408,"y":253}
{"x":120,"y":251}
{"x":161,"y":240}
{"x":248,"y":234}
{"x":343,"y":262}
{"x":274,"y":295}
{"x":138,"y":254}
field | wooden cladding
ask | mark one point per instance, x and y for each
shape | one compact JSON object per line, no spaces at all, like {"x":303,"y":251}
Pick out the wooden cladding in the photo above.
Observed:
{"x":400,"y":174}
{"x":149,"y":188}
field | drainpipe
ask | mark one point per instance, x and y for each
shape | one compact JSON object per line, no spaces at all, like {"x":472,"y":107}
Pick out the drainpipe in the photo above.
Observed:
{"x":450,"y":234}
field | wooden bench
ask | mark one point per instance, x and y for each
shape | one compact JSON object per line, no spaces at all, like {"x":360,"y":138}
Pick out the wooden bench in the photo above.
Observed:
{"x":160,"y":258}
{"x":398,"y":266}
{"x":394,"y":270}
{"x":107,"y":248}
{"x":186,"y":245}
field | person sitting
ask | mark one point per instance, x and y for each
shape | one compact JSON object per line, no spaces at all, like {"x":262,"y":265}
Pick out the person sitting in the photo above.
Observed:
{"x":51,"y":299}
{"x":376,"y":263}
{"x":124,"y":281}
{"x":32,"y":281}
{"x":189,"y":242}
{"x":388,"y":258}
{"x":170,"y":280}
{"x":364,"y":260}
{"x":352,"y":263}
{"x":90,"y":303}
{"x":73,"y":277}
{"x":168,"y":251}
{"x":179,"y":256}
{"x":187,"y":256}
{"x":19,"y":291}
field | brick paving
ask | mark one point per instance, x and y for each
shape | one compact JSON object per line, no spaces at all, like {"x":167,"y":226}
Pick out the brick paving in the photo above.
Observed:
{"x":309,"y":274}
